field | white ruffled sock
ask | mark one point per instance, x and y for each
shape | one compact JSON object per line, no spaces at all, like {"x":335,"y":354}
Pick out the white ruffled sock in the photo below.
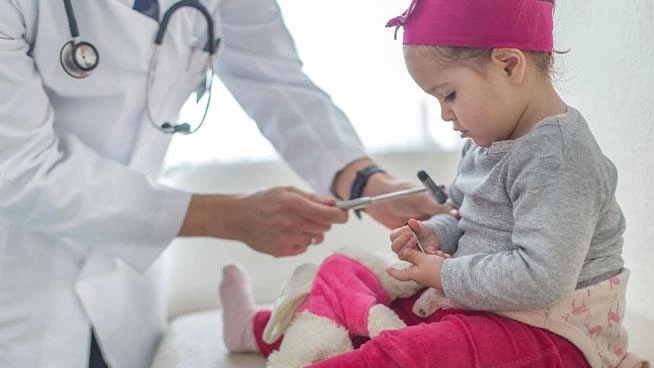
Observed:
{"x":238,"y":309}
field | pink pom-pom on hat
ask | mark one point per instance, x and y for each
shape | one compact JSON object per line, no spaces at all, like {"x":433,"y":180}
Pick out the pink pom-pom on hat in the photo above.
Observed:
{"x":523,"y":24}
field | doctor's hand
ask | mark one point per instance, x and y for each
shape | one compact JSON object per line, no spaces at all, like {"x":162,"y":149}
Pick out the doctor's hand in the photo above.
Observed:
{"x":396,"y":212}
{"x":392,"y":213}
{"x":281,"y":221}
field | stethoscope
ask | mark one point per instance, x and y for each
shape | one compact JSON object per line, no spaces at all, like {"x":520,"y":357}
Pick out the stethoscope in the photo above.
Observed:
{"x":80,"y":58}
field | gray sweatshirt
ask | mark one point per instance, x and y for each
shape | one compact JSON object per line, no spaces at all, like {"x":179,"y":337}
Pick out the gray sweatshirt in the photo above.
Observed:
{"x":539,"y":218}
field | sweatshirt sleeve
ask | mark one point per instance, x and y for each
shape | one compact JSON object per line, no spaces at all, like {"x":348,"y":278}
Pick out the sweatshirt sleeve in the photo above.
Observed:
{"x":53,"y":184}
{"x":447,"y":231}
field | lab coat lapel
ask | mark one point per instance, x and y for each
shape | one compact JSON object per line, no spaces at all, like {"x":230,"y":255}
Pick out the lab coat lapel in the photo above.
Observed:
{"x":114,"y":294}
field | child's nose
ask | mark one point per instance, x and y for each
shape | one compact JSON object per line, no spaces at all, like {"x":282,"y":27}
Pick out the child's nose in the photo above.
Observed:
{"x":446,"y":113}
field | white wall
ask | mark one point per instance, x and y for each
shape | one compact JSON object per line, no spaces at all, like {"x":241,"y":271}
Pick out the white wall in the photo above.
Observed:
{"x":608,"y":75}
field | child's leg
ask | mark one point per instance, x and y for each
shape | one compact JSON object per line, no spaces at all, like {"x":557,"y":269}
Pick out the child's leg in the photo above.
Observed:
{"x":238,"y":309}
{"x":243,"y":324}
{"x":463,"y":340}
{"x":402,"y":306}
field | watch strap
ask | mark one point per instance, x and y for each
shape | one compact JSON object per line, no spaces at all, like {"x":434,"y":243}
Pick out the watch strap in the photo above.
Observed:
{"x":360,"y":181}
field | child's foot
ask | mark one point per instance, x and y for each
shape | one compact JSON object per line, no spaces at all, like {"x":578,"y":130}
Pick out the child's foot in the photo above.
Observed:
{"x":238,"y":309}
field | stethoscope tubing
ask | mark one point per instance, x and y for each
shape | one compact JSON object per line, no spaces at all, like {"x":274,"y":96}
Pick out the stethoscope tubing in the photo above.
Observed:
{"x":72,"y":20}
{"x":210,"y":47}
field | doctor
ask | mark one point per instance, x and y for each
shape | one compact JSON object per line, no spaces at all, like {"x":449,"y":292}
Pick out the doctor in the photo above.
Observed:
{"x":87,"y":107}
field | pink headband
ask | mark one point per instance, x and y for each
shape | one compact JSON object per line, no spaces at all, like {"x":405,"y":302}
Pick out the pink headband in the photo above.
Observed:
{"x":522,"y":24}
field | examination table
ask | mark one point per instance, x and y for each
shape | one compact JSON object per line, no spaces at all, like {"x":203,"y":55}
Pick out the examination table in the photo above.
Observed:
{"x":195,"y":340}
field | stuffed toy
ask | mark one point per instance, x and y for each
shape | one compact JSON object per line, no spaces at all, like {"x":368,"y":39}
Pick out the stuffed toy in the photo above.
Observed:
{"x":322,"y":307}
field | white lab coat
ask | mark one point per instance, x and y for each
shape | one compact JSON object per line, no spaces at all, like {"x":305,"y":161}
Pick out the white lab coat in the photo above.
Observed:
{"x":81,"y":216}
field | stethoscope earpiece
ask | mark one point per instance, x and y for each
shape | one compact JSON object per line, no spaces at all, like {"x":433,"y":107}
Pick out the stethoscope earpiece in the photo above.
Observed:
{"x":79,"y":59}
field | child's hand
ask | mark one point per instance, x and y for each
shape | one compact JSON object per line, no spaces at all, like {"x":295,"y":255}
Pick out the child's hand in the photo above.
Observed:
{"x":425,"y":269}
{"x":403,"y":237}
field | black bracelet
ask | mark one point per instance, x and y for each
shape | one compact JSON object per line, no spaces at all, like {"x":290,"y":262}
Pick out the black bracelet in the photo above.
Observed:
{"x":360,"y":182}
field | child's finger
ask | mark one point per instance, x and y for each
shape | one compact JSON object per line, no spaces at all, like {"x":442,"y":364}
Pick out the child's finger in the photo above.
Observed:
{"x":414,"y":225}
{"x":411,"y":255}
{"x":440,"y":253}
{"x":402,"y":241}
{"x":395,"y":233}
{"x":404,"y":274}
{"x":421,"y":230}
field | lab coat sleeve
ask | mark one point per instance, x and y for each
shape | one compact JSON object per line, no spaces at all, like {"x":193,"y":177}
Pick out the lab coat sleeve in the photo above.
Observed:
{"x":260,"y":66}
{"x":57,"y":186}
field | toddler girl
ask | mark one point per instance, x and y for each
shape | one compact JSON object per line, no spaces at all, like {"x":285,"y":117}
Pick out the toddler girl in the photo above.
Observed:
{"x":535,"y":273}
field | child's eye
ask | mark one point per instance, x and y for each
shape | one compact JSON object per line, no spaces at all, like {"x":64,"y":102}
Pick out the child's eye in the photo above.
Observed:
{"x":450,"y":97}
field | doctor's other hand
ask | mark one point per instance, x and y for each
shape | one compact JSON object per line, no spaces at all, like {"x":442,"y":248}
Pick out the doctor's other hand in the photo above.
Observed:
{"x":407,"y":236}
{"x":281,"y":221}
{"x":395,"y":213}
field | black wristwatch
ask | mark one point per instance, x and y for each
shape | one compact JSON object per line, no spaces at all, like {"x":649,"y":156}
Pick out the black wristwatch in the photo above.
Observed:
{"x":360,"y":182}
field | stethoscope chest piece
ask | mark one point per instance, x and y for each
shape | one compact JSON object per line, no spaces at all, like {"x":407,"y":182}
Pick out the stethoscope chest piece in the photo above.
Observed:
{"x":79,"y":58}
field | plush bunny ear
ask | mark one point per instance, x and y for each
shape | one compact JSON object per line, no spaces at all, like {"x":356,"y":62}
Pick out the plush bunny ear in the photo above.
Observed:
{"x":293,"y":294}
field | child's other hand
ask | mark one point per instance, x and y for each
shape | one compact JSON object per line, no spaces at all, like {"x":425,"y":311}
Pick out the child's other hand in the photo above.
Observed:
{"x":425,"y":269}
{"x":403,"y":237}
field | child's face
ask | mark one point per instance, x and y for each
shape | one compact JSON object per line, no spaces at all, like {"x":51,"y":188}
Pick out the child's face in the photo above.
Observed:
{"x":481,"y":104}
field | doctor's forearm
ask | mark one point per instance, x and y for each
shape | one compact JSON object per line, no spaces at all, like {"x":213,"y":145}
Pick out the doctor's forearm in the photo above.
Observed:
{"x":209,"y":215}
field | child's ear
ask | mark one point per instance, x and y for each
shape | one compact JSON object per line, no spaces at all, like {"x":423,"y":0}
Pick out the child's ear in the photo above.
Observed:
{"x":512,"y":62}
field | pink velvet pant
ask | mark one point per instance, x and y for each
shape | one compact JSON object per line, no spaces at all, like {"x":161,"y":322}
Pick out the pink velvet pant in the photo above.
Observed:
{"x":450,"y":338}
